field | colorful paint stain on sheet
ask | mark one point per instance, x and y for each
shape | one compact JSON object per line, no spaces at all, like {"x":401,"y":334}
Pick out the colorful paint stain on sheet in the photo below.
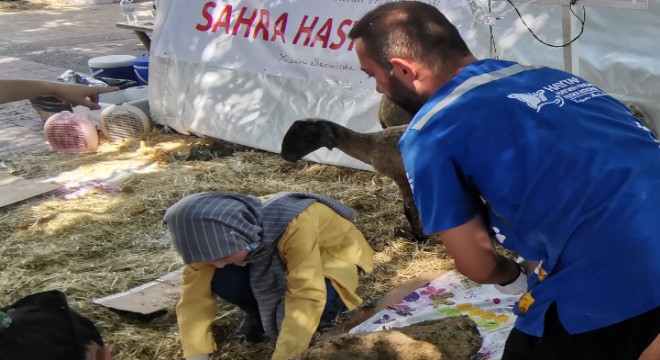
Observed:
{"x":452,"y":294}
{"x":438,"y":296}
{"x":487,"y":319}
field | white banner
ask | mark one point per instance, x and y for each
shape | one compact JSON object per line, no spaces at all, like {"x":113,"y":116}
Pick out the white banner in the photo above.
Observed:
{"x":292,"y":38}
{"x":256,"y":109}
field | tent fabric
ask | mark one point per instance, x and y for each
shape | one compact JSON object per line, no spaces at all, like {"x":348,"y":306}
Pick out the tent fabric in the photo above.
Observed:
{"x":617,"y":52}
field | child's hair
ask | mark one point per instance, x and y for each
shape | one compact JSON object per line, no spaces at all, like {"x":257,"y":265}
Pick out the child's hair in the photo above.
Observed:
{"x":43,"y":326}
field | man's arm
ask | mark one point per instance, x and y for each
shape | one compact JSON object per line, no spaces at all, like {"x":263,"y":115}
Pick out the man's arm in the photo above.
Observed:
{"x":475,"y":255}
{"x":73,"y":94}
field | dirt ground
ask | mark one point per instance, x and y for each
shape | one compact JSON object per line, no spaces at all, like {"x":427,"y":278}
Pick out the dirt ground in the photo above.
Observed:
{"x":454,"y":338}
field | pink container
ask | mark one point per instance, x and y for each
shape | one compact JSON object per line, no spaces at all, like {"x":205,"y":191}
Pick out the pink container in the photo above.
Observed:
{"x":70,"y":133}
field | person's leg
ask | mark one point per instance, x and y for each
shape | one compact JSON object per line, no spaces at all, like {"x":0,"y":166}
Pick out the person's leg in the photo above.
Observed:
{"x":521,"y":346}
{"x":622,"y":341}
{"x":232,"y":284}
{"x":334,"y":306}
{"x":625,"y":340}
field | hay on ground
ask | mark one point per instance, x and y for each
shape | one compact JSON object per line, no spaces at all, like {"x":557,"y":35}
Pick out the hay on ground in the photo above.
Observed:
{"x":110,"y":241}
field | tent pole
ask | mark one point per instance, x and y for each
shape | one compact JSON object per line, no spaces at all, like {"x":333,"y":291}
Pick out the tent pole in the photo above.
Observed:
{"x":566,"y":36}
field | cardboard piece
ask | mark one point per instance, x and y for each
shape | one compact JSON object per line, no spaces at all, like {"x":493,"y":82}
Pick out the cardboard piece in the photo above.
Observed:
{"x":386,"y":300}
{"x":160,"y":294}
{"x":14,"y":189}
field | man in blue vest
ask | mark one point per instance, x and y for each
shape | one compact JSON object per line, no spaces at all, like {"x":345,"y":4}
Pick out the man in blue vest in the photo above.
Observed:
{"x":540,"y":160}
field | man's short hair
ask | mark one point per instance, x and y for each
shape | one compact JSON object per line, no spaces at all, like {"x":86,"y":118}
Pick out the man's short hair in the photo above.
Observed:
{"x":408,"y":29}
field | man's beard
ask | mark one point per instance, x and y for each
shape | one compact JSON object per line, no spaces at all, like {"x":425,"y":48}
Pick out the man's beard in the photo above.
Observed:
{"x":405,"y":97}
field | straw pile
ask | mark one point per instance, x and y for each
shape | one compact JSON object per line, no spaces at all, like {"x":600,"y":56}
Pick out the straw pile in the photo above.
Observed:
{"x":452,"y":338}
{"x":107,"y":242}
{"x":11,"y":6}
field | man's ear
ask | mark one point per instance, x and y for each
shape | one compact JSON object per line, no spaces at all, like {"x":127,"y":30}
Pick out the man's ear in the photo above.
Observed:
{"x":404,"y":69}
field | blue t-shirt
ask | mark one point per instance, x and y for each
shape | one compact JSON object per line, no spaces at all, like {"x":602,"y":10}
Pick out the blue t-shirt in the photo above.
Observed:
{"x":567,"y":175}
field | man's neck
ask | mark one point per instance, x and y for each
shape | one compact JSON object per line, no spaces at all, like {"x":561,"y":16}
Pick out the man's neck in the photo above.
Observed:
{"x":448,"y":70}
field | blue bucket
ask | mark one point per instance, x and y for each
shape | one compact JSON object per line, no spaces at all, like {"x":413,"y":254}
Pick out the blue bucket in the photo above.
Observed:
{"x":112,"y":66}
{"x":141,"y":67}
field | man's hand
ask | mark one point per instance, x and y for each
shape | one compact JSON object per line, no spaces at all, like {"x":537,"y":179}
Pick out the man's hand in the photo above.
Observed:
{"x":528,"y":266}
{"x":519,"y":285}
{"x":516,"y":287}
{"x":71,"y":94}
{"x":74,"y":94}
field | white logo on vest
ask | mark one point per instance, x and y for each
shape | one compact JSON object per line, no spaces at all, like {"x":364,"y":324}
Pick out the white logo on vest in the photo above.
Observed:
{"x":536,"y":100}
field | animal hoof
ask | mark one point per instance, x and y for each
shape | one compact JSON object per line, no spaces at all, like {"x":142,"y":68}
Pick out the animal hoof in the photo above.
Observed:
{"x":406,"y":234}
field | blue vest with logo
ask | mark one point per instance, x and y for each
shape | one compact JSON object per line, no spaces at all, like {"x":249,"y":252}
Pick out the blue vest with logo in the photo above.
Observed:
{"x":567,"y":176}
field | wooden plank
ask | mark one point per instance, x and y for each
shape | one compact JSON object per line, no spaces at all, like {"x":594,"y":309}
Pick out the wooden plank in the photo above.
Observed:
{"x":386,"y":300}
{"x":14,"y":189}
{"x":6,"y":178}
{"x":160,"y":294}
